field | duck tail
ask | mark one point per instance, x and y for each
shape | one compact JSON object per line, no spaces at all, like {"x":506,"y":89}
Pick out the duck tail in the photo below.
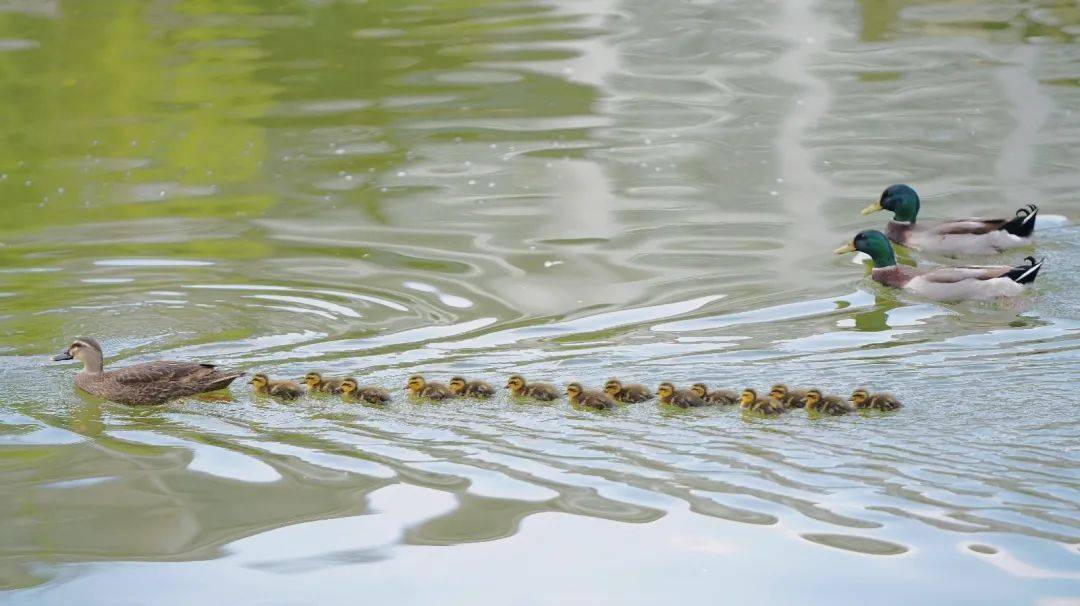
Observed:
{"x":1023,"y":223}
{"x":1025,"y":274}
{"x":222,"y":380}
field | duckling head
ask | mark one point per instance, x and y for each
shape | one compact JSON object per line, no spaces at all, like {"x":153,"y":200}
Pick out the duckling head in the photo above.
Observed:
{"x":699,"y":390}
{"x":813,"y":399}
{"x":612,"y":387}
{"x":415,"y":383}
{"x":778,"y":391}
{"x":747,"y":398}
{"x":665,"y":391}
{"x":873,"y":243}
{"x":859,"y":396}
{"x":348,"y":386}
{"x":312,"y":379}
{"x":457,"y":385}
{"x":259,"y":380}
{"x":900,"y":199}
{"x":84,"y":349}
{"x":573,"y":390}
{"x":516,"y":383}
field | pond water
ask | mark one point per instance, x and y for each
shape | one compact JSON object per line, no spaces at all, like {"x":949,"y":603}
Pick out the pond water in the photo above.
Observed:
{"x":570,"y":189}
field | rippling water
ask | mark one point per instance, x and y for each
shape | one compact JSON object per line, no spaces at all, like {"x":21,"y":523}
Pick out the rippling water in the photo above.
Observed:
{"x":567,"y":189}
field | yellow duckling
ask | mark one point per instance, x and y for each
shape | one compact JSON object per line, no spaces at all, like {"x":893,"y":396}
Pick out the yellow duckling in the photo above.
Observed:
{"x":262,"y":385}
{"x":683,"y":398}
{"x":723,"y":397}
{"x":351,"y":390}
{"x":627,"y":394}
{"x":421,"y":389}
{"x":545,"y":392}
{"x":864,"y":400}
{"x":749,"y":401}
{"x":790,"y":398}
{"x":829,"y":405}
{"x":470,"y":389}
{"x":580,"y":397}
{"x":316,"y":382}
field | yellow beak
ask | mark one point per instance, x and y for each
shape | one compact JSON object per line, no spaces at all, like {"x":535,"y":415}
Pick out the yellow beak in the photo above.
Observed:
{"x":849,"y":247}
{"x":873,"y":208}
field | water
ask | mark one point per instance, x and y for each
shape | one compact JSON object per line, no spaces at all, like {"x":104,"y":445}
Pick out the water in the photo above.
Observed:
{"x":571,"y":190}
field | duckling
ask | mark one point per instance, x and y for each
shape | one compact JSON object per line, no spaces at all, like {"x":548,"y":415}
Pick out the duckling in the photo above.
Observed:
{"x":288,"y":390}
{"x":316,"y":382}
{"x":750,"y":401}
{"x":350,"y":389}
{"x":683,"y":398}
{"x":580,"y":397}
{"x":723,"y":397}
{"x":470,"y":389}
{"x":627,"y":394}
{"x":830,"y":405}
{"x":545,"y":392}
{"x":146,"y":383}
{"x":789,"y":398}
{"x":419,"y":388}
{"x":864,"y":400}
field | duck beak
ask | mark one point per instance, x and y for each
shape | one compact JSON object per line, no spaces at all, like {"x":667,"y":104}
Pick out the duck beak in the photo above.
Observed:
{"x":849,"y":247}
{"x":60,"y":357}
{"x":873,"y":208}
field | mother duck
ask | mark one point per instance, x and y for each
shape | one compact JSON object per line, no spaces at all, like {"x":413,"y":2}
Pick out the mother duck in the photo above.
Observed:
{"x":956,"y":237}
{"x":964,"y":283}
{"x":147,"y":383}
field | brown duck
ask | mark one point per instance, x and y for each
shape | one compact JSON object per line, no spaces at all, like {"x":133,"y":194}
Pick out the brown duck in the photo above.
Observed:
{"x":421,"y":389}
{"x":864,"y":400}
{"x":545,"y":392}
{"x":586,"y":398}
{"x":351,"y":390}
{"x":683,"y":398}
{"x":723,"y":397}
{"x":627,"y":394}
{"x":790,"y":398}
{"x":288,"y":390}
{"x":825,"y":404}
{"x":317,"y":383}
{"x":470,"y":389}
{"x":146,"y":383}
{"x":749,"y":401}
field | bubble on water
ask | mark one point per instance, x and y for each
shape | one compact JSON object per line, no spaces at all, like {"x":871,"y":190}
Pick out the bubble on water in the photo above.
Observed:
{"x":552,"y":263}
{"x":401,"y":173}
{"x":472,"y":181}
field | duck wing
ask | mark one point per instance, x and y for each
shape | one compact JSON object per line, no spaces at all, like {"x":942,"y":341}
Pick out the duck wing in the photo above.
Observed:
{"x":968,"y":227}
{"x":1022,"y":274}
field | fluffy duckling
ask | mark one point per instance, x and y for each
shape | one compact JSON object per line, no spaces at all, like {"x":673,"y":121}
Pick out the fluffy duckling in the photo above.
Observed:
{"x":588,"y":398}
{"x":545,"y":392}
{"x":627,"y":394}
{"x":351,"y":390}
{"x":316,"y":382}
{"x":683,"y":398}
{"x":829,"y":405}
{"x":864,"y":400}
{"x":470,"y":389}
{"x":722,"y":397}
{"x":790,"y":398}
{"x":263,"y":386}
{"x":750,"y":401}
{"x":421,"y":389}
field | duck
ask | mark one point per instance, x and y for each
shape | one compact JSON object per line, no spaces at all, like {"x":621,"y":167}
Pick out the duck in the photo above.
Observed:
{"x":263,"y":386}
{"x":683,"y":398}
{"x":749,"y":401}
{"x":790,"y":398}
{"x":723,"y":397}
{"x":545,"y":392}
{"x":422,"y":389}
{"x":352,"y":390}
{"x":147,"y":383}
{"x":955,"y":237}
{"x":316,"y":382}
{"x":587,"y":398}
{"x":627,"y":394}
{"x":470,"y":389}
{"x":829,"y":405}
{"x":864,"y":400}
{"x":947,"y":284}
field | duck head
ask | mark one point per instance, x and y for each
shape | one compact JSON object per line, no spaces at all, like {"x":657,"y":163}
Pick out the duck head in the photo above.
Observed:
{"x":612,"y":387}
{"x":457,"y":386}
{"x":516,"y":384}
{"x":813,"y":399}
{"x":85,"y":349}
{"x":312,"y":380}
{"x":699,"y":390}
{"x":348,"y":386}
{"x":573,"y":390}
{"x":415,"y":384}
{"x":859,"y":396}
{"x":665,"y":391}
{"x":873,"y":243}
{"x":779,"y":391}
{"x":900,"y":199}
{"x":259,"y":381}
{"x":747,"y":398}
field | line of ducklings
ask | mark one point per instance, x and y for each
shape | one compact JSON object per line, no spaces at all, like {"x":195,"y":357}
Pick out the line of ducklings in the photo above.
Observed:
{"x":778,"y":400}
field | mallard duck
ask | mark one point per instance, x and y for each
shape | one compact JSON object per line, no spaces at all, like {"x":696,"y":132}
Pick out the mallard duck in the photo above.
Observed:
{"x":627,"y":394}
{"x":750,"y":401}
{"x":790,"y":398}
{"x":545,"y":392}
{"x":864,"y":400}
{"x":420,"y":388}
{"x":470,"y":389}
{"x":288,"y":390}
{"x":146,"y":383}
{"x":683,"y":398}
{"x":956,"y":237}
{"x":316,"y":382}
{"x":580,"y":397}
{"x":963,"y":283}
{"x":829,"y":405}
{"x":352,"y":390}
{"x":723,"y":397}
